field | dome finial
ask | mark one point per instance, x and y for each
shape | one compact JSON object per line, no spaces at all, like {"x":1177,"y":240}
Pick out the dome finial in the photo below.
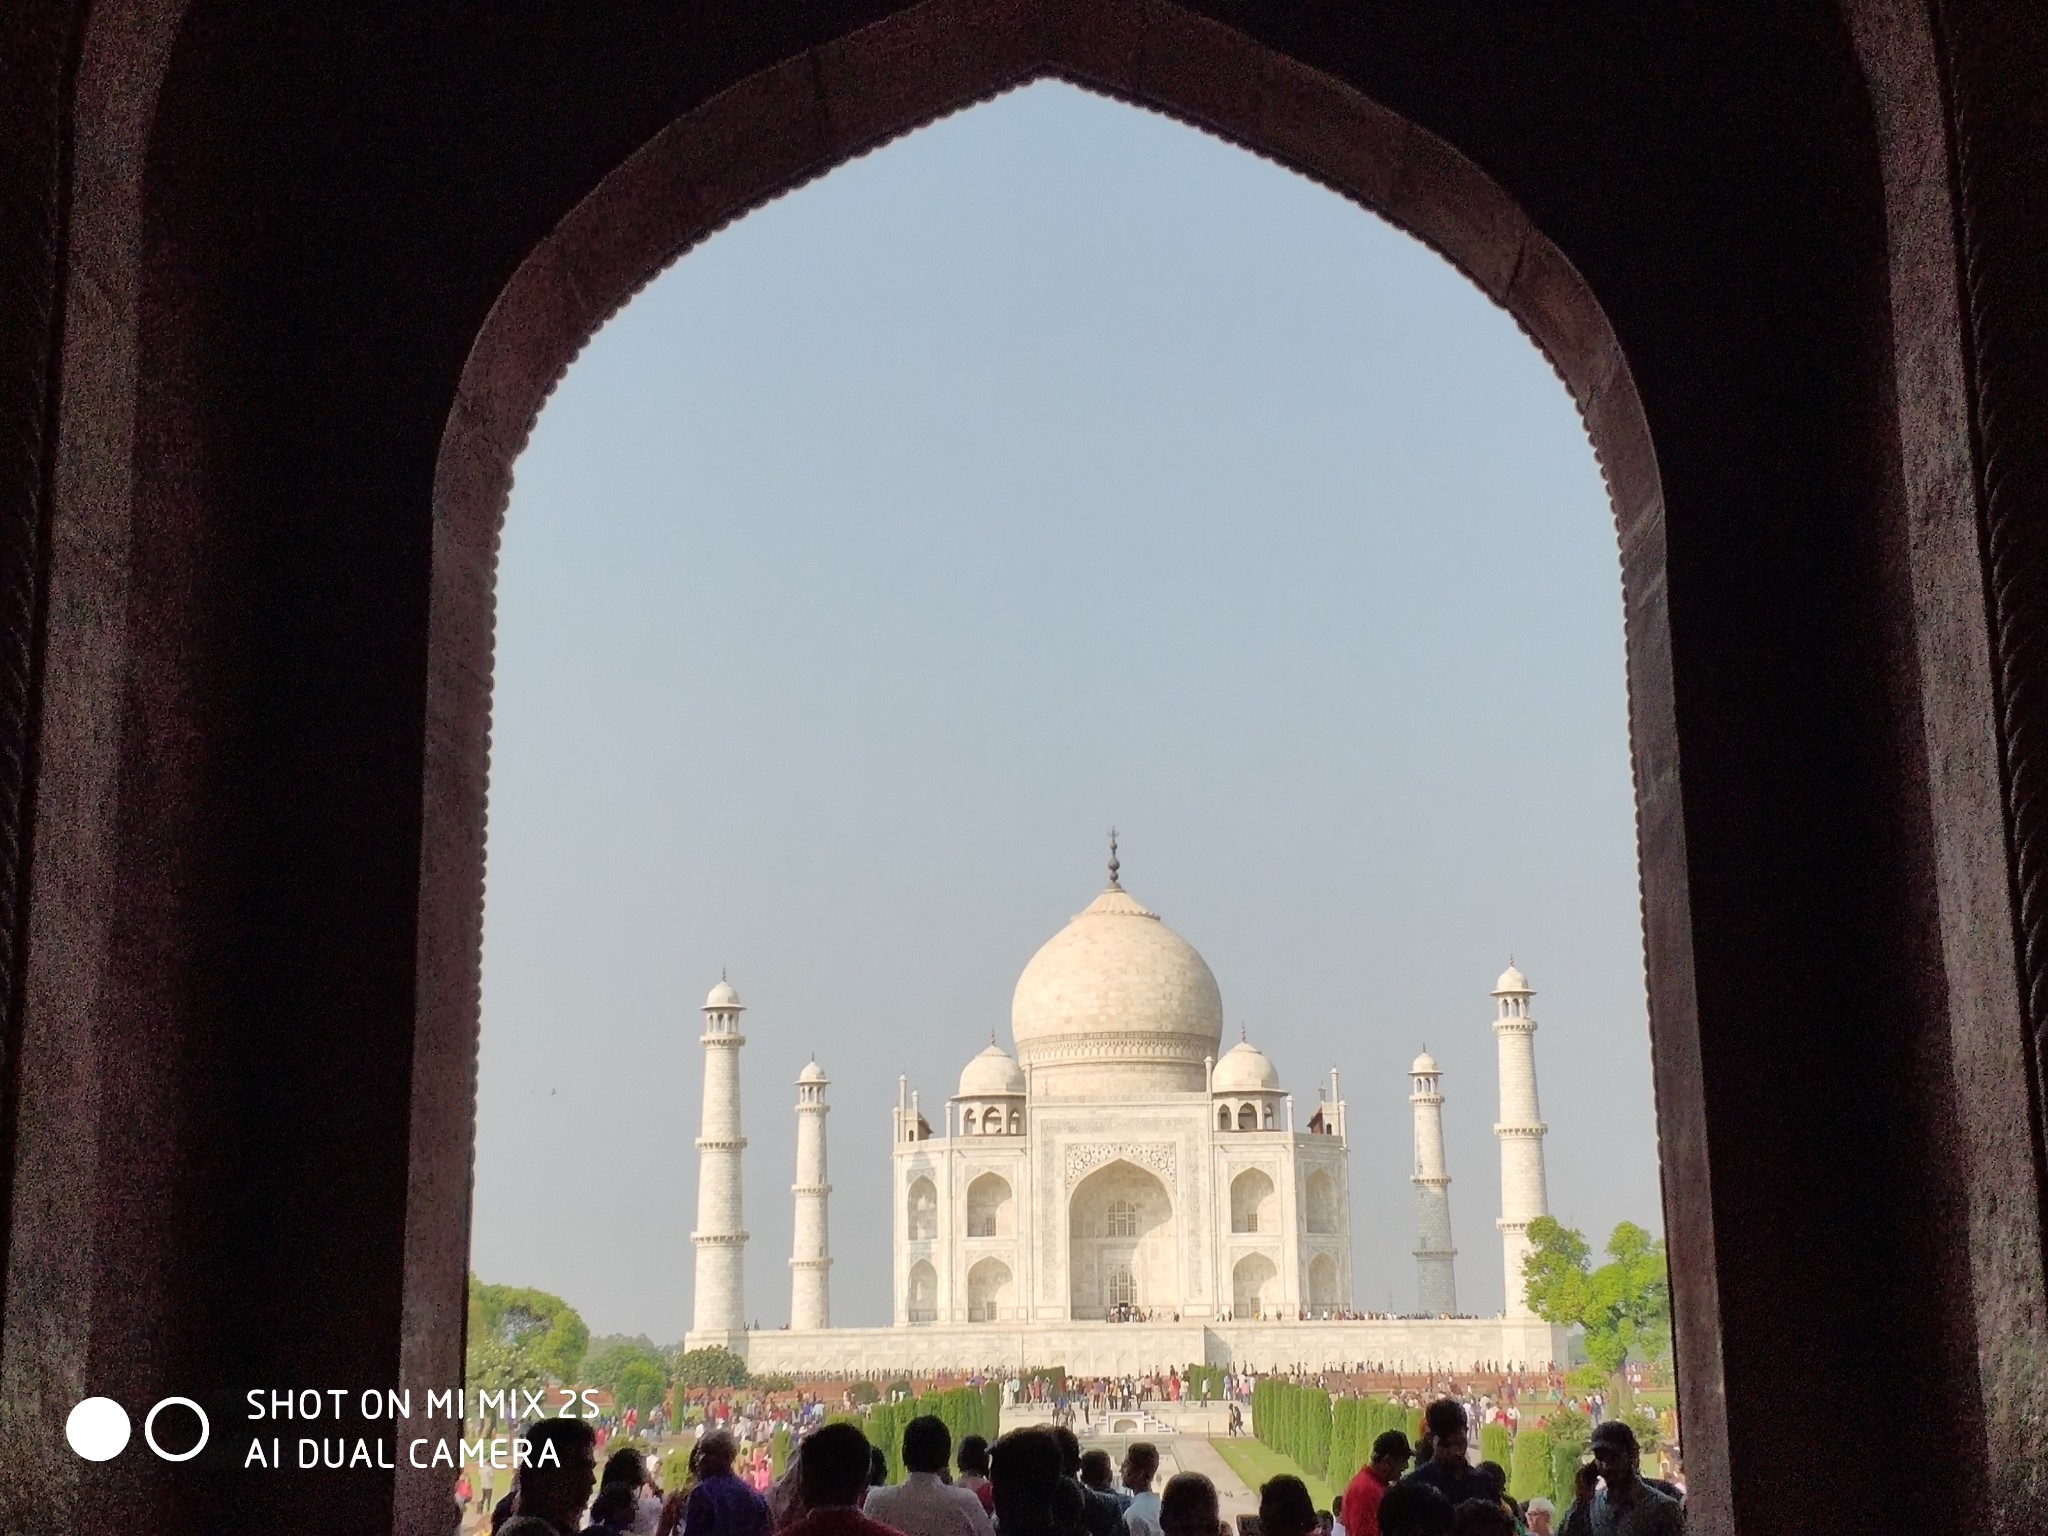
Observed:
{"x":1242,"y":1037}
{"x":1114,"y":866}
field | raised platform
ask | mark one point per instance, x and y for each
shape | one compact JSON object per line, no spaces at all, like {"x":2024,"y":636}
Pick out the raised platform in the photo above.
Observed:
{"x":1120,"y":1349}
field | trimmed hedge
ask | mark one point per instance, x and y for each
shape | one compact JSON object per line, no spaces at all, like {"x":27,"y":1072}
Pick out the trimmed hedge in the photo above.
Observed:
{"x":1326,"y":1437}
{"x":1496,"y":1445}
{"x":1529,"y":1474}
{"x":963,"y":1410}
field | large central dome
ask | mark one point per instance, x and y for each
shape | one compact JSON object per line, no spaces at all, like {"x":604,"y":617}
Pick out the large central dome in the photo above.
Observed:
{"x":1116,"y":1005}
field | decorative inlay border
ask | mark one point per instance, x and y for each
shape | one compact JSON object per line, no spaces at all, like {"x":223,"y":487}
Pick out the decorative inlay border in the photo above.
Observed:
{"x":1156,"y":1155}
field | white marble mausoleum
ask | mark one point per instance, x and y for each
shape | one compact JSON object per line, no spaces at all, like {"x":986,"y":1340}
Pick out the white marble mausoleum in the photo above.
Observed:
{"x":1122,"y":1194}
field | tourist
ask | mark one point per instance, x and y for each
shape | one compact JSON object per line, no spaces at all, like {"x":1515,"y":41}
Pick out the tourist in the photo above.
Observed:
{"x":1482,"y":1517}
{"x":1189,"y":1507}
{"x":1361,"y":1509}
{"x":1141,"y":1466}
{"x":1496,"y":1477}
{"x":719,"y":1502}
{"x":1541,"y":1513}
{"x":835,"y":1476}
{"x":924,"y":1504}
{"x":614,"y":1509}
{"x":1024,"y":1470}
{"x":1415,"y":1509}
{"x":627,"y":1467}
{"x":973,"y":1463}
{"x":1285,"y":1508}
{"x":1448,"y":1469}
{"x":1103,"y":1516}
{"x":555,"y":1483}
{"x":1097,"y":1477}
{"x":1611,"y":1498}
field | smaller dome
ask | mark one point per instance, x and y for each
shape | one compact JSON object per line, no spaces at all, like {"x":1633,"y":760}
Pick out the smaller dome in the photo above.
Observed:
{"x":992,"y":1074}
{"x":812,"y":1072}
{"x":1511,"y":980}
{"x":1424,"y":1063}
{"x":1245,"y":1069}
{"x":724,"y":995}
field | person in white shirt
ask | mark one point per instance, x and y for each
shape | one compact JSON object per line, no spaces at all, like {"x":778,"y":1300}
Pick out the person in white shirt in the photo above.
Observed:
{"x":924,"y":1503}
{"x":1141,"y":1466}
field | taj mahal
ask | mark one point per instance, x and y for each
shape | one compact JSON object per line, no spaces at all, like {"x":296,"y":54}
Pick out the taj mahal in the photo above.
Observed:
{"x":1121,"y":1195}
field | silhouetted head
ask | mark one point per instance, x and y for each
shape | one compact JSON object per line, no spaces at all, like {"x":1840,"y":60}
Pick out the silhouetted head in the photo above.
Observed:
{"x":1616,"y":1453}
{"x":1482,"y":1517}
{"x":1446,"y":1420}
{"x":973,"y":1457}
{"x":927,"y":1444}
{"x":1414,"y":1509}
{"x":714,"y":1455}
{"x":1024,"y":1469}
{"x":1189,"y":1506}
{"x":1391,"y":1455}
{"x":625,"y":1465}
{"x":560,"y":1470}
{"x":1285,"y":1508}
{"x":1141,"y":1465}
{"x":835,"y":1466}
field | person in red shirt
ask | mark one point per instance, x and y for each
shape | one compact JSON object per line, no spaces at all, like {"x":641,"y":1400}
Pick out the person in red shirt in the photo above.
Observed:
{"x":834,"y":1475}
{"x":1390,"y":1458}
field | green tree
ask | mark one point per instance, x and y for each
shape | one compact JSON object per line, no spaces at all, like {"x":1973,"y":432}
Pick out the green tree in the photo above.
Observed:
{"x":493,"y":1365}
{"x":609,"y":1359}
{"x":1623,"y":1306}
{"x":641,"y":1385}
{"x":546,"y":1328}
{"x":713,"y":1367}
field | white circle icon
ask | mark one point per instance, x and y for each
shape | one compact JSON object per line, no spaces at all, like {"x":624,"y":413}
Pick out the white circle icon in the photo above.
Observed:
{"x":98,"y":1429}
{"x":149,"y":1427}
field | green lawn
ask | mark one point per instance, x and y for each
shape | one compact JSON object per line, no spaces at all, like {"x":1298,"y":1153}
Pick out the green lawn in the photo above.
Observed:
{"x":1256,"y":1462}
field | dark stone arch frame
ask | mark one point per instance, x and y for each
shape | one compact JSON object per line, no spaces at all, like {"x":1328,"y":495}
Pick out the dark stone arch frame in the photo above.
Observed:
{"x":776,"y":131}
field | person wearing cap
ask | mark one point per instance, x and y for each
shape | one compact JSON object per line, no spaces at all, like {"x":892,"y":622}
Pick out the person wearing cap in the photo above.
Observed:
{"x":1361,"y":1508}
{"x":1611,"y":1497}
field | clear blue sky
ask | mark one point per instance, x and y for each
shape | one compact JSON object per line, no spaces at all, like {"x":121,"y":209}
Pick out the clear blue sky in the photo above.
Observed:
{"x":1053,"y":467}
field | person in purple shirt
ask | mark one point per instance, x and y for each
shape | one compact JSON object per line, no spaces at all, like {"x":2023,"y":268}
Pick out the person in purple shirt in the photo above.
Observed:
{"x":720,"y":1504}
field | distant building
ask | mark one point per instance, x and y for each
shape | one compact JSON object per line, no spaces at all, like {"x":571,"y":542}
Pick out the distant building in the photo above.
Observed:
{"x":1120,"y":1197}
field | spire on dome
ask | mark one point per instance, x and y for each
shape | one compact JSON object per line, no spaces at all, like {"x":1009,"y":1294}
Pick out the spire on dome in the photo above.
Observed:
{"x":1114,"y":866}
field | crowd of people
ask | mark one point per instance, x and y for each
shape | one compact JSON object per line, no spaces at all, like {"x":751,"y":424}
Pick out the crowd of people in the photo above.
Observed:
{"x":1038,"y":1482}
{"x":1446,"y":1492}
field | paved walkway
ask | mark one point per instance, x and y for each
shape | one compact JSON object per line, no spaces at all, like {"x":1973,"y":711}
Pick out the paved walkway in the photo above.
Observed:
{"x":1194,"y":1453}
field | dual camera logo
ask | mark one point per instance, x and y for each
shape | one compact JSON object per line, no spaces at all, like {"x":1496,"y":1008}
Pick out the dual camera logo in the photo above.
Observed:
{"x":98,"y":1429}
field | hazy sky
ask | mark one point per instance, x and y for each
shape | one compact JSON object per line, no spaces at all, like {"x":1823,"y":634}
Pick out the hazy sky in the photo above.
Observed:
{"x":1053,"y":467}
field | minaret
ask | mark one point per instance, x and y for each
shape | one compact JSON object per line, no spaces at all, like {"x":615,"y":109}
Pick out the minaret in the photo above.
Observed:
{"x":720,"y":1239}
{"x":1523,"y":1196}
{"x":810,"y":1262}
{"x":1436,"y":1285}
